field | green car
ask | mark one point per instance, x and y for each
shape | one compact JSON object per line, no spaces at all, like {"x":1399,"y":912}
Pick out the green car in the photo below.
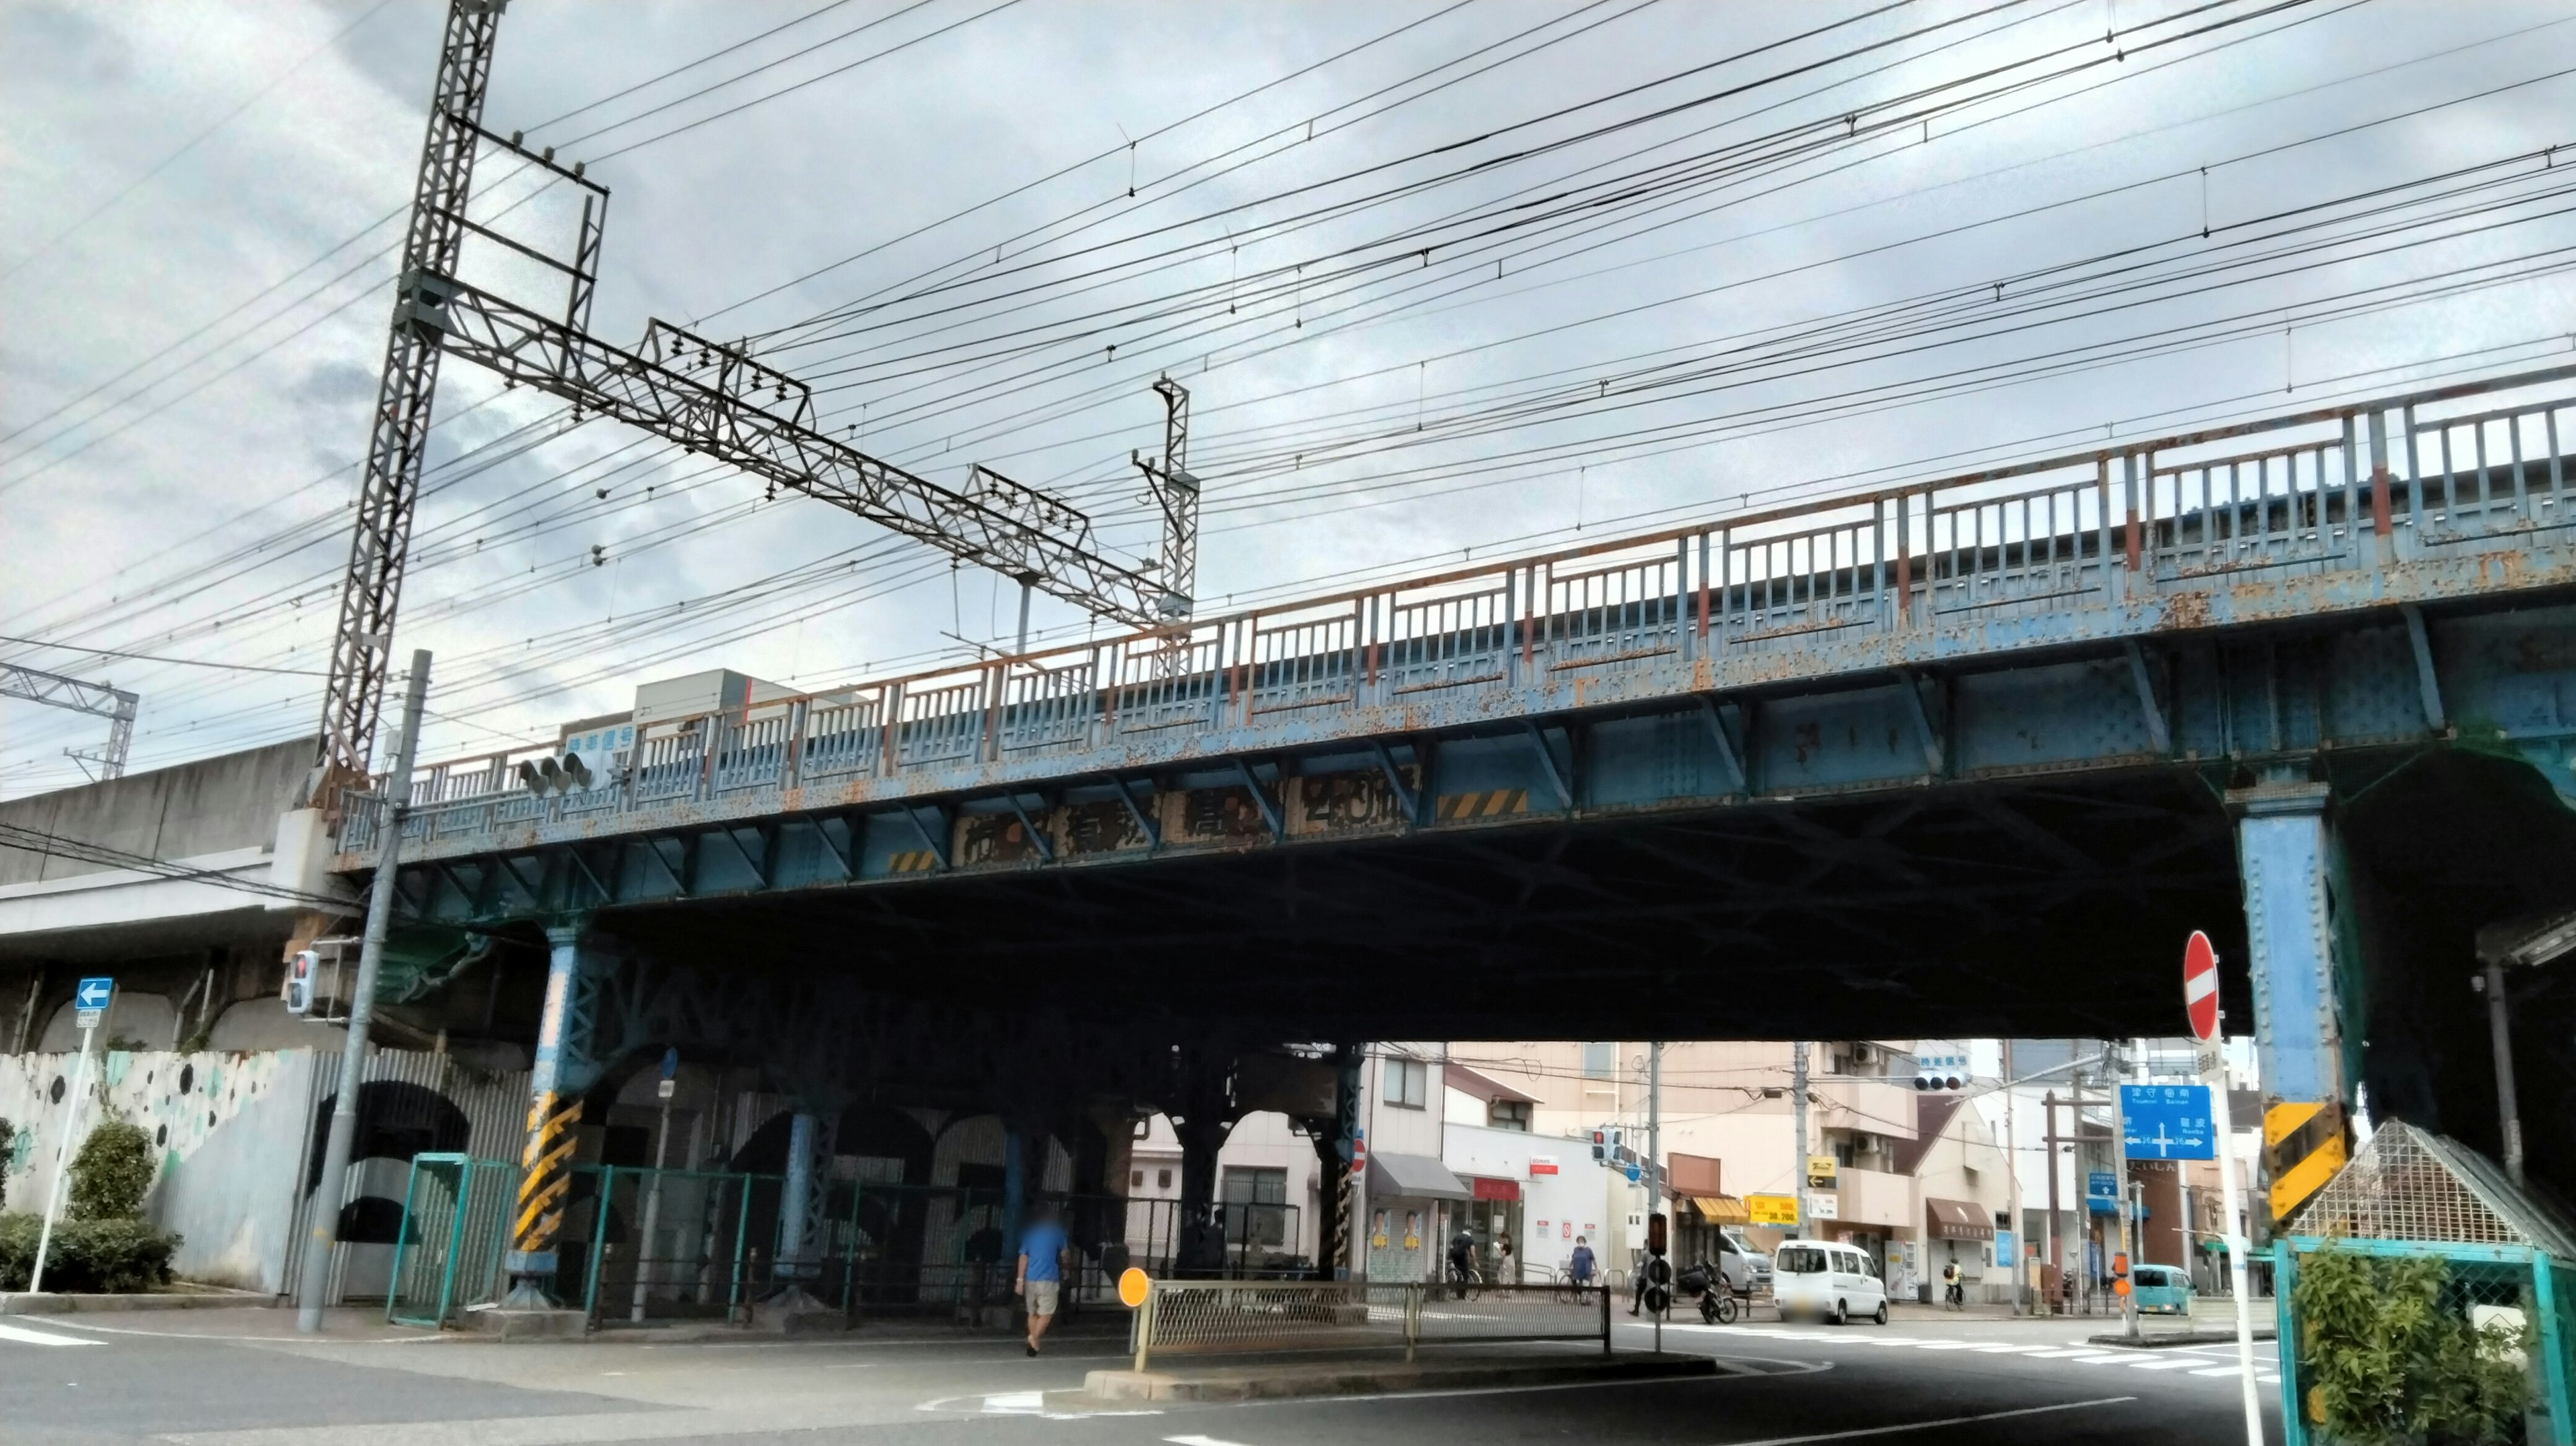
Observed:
{"x":2162,"y":1289}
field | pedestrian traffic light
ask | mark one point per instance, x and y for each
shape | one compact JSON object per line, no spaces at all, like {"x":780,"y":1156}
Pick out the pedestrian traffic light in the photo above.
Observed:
{"x":1601,"y":1146}
{"x":299,"y":981}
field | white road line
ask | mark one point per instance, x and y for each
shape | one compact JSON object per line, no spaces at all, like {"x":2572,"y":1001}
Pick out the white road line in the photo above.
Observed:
{"x":1928,"y":1425}
{"x":1200,"y":1441}
{"x":2159,"y":1363}
{"x":26,"y":1337}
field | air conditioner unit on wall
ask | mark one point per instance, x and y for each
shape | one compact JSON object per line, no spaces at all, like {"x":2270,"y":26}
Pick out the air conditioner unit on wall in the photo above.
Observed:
{"x":1864,"y":1054}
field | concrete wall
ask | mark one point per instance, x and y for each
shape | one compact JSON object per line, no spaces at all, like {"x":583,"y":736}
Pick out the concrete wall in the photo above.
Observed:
{"x":231,"y":1130}
{"x":211,"y":806}
{"x":226,"y":1128}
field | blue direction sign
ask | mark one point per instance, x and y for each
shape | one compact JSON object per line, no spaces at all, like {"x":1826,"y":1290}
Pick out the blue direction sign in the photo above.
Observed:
{"x":2167,"y":1122}
{"x":90,"y":999}
{"x":2101,"y":1193}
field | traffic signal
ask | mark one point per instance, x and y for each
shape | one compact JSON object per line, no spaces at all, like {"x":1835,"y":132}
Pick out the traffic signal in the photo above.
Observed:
{"x":1940,"y":1082}
{"x":298,"y":991}
{"x":1601,"y":1146}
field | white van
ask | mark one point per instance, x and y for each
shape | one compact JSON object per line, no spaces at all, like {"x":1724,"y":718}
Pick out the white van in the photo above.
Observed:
{"x":1827,"y":1282}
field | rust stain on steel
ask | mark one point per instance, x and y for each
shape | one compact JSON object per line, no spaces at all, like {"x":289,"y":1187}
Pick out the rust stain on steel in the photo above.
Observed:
{"x":2185,"y":611}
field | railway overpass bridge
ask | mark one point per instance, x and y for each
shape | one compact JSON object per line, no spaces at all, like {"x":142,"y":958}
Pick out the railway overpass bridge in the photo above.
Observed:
{"x":1965,"y":757}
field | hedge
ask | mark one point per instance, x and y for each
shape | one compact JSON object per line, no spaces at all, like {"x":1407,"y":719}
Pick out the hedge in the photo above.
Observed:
{"x":105,"y":1256}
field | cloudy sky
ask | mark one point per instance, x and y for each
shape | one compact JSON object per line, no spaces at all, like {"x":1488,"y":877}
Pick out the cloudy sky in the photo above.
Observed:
{"x":1446,"y":278}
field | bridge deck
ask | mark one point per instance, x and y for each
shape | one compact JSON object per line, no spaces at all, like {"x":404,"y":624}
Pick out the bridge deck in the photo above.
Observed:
{"x":2430,"y":499}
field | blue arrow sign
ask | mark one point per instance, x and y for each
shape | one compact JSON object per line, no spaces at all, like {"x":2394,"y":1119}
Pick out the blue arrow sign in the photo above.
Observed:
{"x":93,"y":993}
{"x":2167,"y":1122}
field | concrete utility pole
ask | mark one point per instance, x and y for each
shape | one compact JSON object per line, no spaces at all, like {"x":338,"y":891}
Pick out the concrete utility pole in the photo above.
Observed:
{"x":1798,"y":1157}
{"x":2120,"y":1181}
{"x":324,"y":1221}
{"x":1655,"y":1123}
{"x":2012,"y":1181}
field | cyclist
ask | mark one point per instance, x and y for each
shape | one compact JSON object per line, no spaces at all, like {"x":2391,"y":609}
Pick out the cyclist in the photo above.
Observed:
{"x":1954,"y":1294}
{"x":1462,"y":1260}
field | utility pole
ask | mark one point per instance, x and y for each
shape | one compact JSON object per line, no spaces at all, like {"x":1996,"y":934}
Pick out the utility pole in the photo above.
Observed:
{"x":324,"y":1222}
{"x":2120,"y":1180}
{"x":2012,"y":1180}
{"x":1655,"y":1123}
{"x":1798,"y":1156}
{"x":2048,"y":1146}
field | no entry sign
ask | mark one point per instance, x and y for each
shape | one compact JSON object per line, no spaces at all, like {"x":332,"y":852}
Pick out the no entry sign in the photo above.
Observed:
{"x":2200,"y":986}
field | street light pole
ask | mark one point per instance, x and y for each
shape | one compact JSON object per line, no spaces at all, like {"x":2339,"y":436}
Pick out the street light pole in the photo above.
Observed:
{"x":2529,"y":942}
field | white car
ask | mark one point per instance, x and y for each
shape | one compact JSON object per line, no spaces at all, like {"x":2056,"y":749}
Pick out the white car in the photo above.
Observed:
{"x":1828,"y":1282}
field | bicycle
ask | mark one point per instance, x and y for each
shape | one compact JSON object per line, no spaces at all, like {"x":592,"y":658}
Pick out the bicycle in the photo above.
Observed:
{"x":1464,"y":1279}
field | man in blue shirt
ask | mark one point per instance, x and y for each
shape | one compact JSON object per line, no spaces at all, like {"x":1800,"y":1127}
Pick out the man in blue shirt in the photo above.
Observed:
{"x":1043,"y":1249}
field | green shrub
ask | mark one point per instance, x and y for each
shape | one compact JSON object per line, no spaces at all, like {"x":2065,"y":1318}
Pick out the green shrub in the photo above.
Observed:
{"x":114,"y":1256}
{"x":111,"y":1172}
{"x":2391,"y":1357}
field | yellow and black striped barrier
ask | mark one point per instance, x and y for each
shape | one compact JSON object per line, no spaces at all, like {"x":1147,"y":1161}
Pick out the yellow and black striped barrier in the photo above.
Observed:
{"x":545,"y":1176}
{"x":1489,"y":803}
{"x":2303,"y":1146}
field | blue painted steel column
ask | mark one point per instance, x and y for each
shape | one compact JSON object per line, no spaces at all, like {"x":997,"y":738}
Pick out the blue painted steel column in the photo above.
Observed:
{"x":2306,"y":1030}
{"x":795,"y":1199}
{"x":1015,"y":1189}
{"x":563,"y":1035}
{"x":2307,"y":1026}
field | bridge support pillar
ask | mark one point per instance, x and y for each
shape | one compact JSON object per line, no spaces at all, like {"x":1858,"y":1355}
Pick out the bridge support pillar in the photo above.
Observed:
{"x":564,"y":1067}
{"x":1015,"y":1187}
{"x":796,"y":1200}
{"x":2307,"y":983}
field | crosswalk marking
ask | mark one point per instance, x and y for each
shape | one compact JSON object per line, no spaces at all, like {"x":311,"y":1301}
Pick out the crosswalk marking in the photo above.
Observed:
{"x":2197,"y":1362}
{"x":26,"y":1337}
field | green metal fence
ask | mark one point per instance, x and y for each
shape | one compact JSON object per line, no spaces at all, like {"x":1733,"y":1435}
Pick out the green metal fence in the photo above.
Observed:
{"x":447,"y":1250}
{"x":2424,"y":1297}
{"x":641,"y":1244}
{"x":2511,"y":1301}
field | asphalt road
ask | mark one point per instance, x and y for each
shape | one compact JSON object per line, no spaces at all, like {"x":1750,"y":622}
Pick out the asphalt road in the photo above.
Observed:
{"x":239,"y":1378}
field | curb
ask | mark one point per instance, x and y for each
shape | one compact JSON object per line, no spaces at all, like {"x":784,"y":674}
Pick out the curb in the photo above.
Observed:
{"x":49,"y":1303}
{"x":1127,"y":1387}
{"x":2150,"y":1340}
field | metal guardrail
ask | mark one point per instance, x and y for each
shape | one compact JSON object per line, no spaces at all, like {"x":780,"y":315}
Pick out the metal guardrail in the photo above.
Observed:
{"x":1198,"y":1317}
{"x":2347,"y":490}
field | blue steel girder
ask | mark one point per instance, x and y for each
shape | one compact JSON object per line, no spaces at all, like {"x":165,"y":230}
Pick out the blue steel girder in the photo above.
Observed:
{"x":2225,"y":699}
{"x":2178,"y":609}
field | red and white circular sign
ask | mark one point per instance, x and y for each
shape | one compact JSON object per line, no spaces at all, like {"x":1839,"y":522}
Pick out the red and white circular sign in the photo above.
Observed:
{"x":2200,"y":986}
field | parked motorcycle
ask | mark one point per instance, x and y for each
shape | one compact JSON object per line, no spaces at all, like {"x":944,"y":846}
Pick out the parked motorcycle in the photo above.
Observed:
{"x":1707,"y":1284}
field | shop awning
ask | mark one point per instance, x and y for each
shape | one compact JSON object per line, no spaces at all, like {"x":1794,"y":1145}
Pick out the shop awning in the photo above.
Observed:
{"x":1958,"y":1220}
{"x":1415,"y":1177}
{"x":1721,"y":1209}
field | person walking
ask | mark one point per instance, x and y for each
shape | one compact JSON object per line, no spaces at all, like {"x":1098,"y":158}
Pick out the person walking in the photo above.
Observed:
{"x":1043,"y":1248}
{"x":1579,"y":1266}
